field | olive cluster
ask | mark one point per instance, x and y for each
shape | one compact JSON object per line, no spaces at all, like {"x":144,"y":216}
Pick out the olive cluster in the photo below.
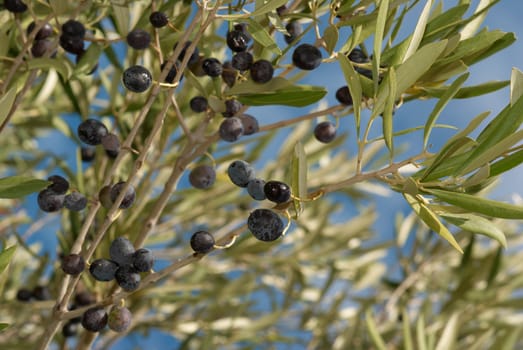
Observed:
{"x":55,"y":196}
{"x":125,"y":264}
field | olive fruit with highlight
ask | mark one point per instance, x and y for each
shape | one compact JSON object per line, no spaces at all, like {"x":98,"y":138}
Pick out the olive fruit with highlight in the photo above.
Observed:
{"x":265,"y":225}
{"x":137,"y":78}
{"x":202,"y":242}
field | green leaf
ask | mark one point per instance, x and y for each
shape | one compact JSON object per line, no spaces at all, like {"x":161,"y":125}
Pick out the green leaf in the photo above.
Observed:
{"x":408,"y":341}
{"x":61,"y":7}
{"x":450,"y":333}
{"x":330,"y":36}
{"x":413,"y":129}
{"x":419,"y":31}
{"x":431,"y":219}
{"x":378,"y":38}
{"x":479,"y":205}
{"x":516,"y":85}
{"x":5,"y":257}
{"x":195,"y":82}
{"x":421,"y":334}
{"x":476,"y":224}
{"x":260,"y":35}
{"x":477,"y":159}
{"x":474,"y":123}
{"x":251,"y":87}
{"x":478,"y":44}
{"x":505,"y":123}
{"x":469,"y":91}
{"x":443,"y":22}
{"x":446,"y":152}
{"x":296,"y":95}
{"x":269,"y":5}
{"x":89,"y":59}
{"x":6,"y":103}
{"x":413,"y":68}
{"x":473,"y":26}
{"x":3,"y":326}
{"x":375,"y":336}
{"x":121,"y":17}
{"x":354,"y":84}
{"x":443,"y":101}
{"x":299,"y":176}
{"x":389,"y":110}
{"x":63,"y":67}
{"x":507,"y":163}
{"x":20,"y":186}
{"x":409,"y":72}
{"x":441,"y":73}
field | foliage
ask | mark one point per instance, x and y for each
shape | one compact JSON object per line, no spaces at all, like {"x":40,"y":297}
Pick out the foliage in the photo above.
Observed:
{"x":329,"y":282}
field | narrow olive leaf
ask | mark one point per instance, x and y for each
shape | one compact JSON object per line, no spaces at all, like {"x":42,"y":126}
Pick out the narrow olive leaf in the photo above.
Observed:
{"x":260,"y":35}
{"x":446,"y":152}
{"x":468,"y":47}
{"x":61,"y":7}
{"x":509,"y":162}
{"x":474,"y":123}
{"x":454,"y":144}
{"x":375,"y":336}
{"x":20,"y":186}
{"x":516,"y":85}
{"x":393,"y":35}
{"x":388,"y":111}
{"x":409,"y":72}
{"x":330,"y":36}
{"x":450,"y":333}
{"x":378,"y":39}
{"x":63,"y":67}
{"x":507,"y":340}
{"x":297,"y":96}
{"x":5,"y":257}
{"x":6,"y":102}
{"x":497,"y":263}
{"x":476,"y":224}
{"x":431,"y":220}
{"x":443,"y":72}
{"x":355,"y":89}
{"x":421,"y":334}
{"x":473,"y":26}
{"x":299,"y":176}
{"x":408,"y":341}
{"x":478,"y":159}
{"x":505,"y":123}
{"x":359,"y":20}
{"x":413,"y":68}
{"x":413,"y":129}
{"x":251,"y":87}
{"x":440,"y":105}
{"x":448,"y":19}
{"x":216,"y":104}
{"x":121,"y":17}
{"x":89,"y":59}
{"x":478,"y":177}
{"x":59,"y":124}
{"x":468,"y":91}
{"x":404,"y":227}
{"x":479,"y":205}
{"x":268,"y":6}
{"x":505,"y":41}
{"x":277,"y":22}
{"x":195,"y":82}
{"x":419,"y":31}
